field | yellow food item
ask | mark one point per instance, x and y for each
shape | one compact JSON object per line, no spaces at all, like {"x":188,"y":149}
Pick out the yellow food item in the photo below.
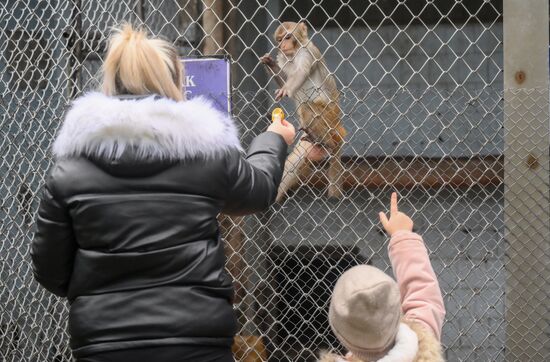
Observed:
{"x":277,"y":112}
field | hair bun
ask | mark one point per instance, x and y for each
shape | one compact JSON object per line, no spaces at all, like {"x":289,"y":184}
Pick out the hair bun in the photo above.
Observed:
{"x":137,"y":64}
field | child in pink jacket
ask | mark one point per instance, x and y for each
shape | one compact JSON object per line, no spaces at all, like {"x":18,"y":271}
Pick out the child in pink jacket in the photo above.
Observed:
{"x":379,"y":319}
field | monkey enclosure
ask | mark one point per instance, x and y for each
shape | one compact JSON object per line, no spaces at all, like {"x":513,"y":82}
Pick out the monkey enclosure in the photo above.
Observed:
{"x":445,"y":101}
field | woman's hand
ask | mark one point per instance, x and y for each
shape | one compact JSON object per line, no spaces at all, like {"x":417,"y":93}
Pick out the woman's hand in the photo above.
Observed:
{"x":398,"y":221}
{"x":284,"y":128}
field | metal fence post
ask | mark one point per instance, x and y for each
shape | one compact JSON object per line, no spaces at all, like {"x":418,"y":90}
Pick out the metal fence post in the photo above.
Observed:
{"x":526,"y":179}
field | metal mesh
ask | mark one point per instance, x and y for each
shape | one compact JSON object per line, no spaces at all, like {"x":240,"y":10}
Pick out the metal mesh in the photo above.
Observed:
{"x":422,"y":101}
{"x":526,"y":211}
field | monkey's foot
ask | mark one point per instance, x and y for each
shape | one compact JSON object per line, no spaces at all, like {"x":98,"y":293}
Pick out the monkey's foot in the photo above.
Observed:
{"x":281,"y":196}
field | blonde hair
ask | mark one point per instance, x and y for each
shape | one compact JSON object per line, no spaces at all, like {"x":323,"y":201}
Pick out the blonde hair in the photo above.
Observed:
{"x":137,"y":64}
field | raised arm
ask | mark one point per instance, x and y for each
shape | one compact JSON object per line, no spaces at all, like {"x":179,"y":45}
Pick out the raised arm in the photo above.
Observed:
{"x":273,"y":70}
{"x":254,"y":179}
{"x":421,"y":298}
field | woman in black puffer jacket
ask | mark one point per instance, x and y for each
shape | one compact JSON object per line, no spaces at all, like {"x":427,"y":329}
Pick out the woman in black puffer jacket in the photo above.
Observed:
{"x":127,"y":229}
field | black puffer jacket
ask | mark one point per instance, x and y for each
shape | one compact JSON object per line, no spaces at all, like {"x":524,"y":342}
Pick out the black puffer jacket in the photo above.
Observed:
{"x":127,"y":226}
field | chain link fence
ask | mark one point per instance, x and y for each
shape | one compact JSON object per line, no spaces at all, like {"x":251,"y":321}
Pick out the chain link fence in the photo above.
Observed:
{"x":527,"y":210}
{"x":423,"y":104}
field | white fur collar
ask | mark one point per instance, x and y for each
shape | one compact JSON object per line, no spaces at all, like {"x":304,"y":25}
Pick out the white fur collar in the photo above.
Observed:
{"x":98,"y":125}
{"x":405,"y":348}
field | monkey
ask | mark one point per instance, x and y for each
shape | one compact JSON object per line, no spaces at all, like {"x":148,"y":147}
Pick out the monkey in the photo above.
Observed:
{"x":302,"y":75}
{"x":249,"y":349}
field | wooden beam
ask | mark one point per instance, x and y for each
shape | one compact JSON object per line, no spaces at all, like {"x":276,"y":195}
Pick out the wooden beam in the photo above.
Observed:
{"x":374,"y":172}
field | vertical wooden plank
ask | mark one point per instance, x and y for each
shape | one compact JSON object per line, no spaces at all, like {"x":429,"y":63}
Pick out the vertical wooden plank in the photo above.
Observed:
{"x":140,"y":10}
{"x":212,"y":24}
{"x":526,"y":179}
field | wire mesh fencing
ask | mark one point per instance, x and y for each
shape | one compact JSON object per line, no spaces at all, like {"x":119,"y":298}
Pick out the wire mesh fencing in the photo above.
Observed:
{"x":527,"y":206}
{"x":422,"y":101}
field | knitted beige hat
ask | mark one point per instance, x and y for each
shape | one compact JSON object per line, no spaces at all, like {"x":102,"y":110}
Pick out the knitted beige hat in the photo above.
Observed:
{"x":365,"y":312}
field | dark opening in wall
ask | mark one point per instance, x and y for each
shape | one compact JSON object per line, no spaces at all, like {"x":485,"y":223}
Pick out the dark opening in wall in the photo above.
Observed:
{"x":329,"y":13}
{"x":303,"y":279}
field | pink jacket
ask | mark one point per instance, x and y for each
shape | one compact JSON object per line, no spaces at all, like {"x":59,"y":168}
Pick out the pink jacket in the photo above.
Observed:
{"x":421,"y":299}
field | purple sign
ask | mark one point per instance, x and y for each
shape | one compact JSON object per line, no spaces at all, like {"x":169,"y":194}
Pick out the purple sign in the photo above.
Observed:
{"x":208,"y":77}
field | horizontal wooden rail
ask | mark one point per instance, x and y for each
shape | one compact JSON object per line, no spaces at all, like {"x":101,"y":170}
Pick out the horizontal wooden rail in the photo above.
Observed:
{"x":408,"y":172}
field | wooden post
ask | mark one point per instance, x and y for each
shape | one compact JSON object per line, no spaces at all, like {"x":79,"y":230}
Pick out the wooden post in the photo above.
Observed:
{"x":526,"y":180}
{"x":212,"y":24}
{"x":140,"y":11}
{"x":231,"y":28}
{"x":232,"y":231}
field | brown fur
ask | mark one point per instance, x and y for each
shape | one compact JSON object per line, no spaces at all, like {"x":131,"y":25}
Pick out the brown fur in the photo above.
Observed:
{"x":249,"y":349}
{"x":429,"y":349}
{"x":322,"y":120}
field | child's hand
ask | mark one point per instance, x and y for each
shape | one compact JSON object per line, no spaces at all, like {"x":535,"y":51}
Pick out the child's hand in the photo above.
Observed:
{"x":398,"y":221}
{"x":284,"y":128}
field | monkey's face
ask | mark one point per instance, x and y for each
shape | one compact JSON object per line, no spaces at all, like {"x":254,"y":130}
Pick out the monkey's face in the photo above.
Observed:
{"x":286,"y":42}
{"x":290,"y":36}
